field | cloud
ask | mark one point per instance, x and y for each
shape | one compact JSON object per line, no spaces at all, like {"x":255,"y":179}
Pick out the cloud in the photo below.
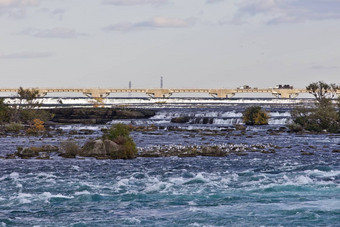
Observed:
{"x":18,"y":3}
{"x":58,"y":13}
{"x":154,"y":23}
{"x":134,"y":2}
{"x":323,"y":67}
{"x":59,"y":32}
{"x":213,"y":1}
{"x":287,"y":11}
{"x":26,"y":55}
{"x":16,"y":8}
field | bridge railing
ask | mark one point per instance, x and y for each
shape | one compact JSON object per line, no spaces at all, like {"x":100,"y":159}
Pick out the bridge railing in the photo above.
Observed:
{"x":102,"y":93}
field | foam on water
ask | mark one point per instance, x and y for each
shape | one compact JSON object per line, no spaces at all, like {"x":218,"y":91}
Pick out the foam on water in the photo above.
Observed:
{"x":210,"y":187}
{"x":24,"y":198}
{"x":79,"y":127}
{"x":207,"y":117}
{"x":48,"y":195}
{"x":317,"y":172}
{"x":300,"y":180}
{"x":14,"y":176}
{"x":284,"y":188}
{"x":82,"y":193}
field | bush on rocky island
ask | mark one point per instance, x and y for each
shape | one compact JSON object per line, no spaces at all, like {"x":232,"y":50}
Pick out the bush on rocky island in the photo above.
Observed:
{"x":120,"y":134}
{"x":116,"y":143}
{"x":103,"y":149}
{"x":323,"y":117}
{"x":255,"y":115}
{"x":69,"y":149}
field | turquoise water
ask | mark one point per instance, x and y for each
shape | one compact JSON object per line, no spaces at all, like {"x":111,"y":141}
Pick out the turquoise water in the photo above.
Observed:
{"x":285,"y":188}
{"x":254,"y":190}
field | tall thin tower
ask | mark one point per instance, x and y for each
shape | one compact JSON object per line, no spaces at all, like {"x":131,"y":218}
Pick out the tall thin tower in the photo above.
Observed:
{"x":161,"y":82}
{"x":130,"y":86}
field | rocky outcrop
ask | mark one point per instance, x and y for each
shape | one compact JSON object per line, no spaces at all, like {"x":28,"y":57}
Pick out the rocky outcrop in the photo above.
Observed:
{"x":94,"y":148}
{"x":186,"y":151}
{"x":214,"y":151}
{"x":240,"y":127}
{"x":96,"y":115}
{"x":180,"y":120}
{"x":104,"y":149}
{"x":36,"y":152}
{"x":100,"y":149}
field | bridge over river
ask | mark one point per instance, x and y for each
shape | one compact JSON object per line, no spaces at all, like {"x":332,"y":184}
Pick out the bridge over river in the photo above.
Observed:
{"x":99,"y":93}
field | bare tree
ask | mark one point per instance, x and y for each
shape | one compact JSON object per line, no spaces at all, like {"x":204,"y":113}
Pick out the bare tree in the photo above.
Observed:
{"x":28,"y":95}
{"x":322,"y":91}
{"x":27,"y":101}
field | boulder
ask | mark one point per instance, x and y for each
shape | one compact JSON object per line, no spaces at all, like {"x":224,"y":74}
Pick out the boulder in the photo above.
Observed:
{"x":103,"y":149}
{"x":112,"y":149}
{"x":283,"y":129}
{"x":180,"y":120}
{"x":27,"y":153}
{"x":214,"y":151}
{"x":94,"y":148}
{"x":240,"y":127}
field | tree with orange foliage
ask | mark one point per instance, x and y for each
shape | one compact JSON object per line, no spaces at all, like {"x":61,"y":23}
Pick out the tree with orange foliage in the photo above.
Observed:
{"x":36,"y":127}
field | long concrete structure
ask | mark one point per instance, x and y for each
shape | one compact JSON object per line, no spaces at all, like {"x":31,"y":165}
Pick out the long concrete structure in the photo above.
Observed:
{"x":99,"y":93}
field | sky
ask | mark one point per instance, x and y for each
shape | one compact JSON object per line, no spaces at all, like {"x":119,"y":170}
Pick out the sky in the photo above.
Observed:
{"x":191,"y":43}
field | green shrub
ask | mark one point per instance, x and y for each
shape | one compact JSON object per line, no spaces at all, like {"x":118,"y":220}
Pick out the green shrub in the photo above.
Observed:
{"x":130,"y":149}
{"x":323,"y":116}
{"x":293,"y":127}
{"x":117,"y":132}
{"x":13,"y":127}
{"x":317,"y":120}
{"x":4,"y":111}
{"x":254,"y":115}
{"x":27,"y":115}
{"x":120,"y":134}
{"x":70,"y":147}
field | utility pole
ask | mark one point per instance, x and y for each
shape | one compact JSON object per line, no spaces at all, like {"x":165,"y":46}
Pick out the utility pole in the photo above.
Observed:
{"x":130,"y":85}
{"x":161,"y":82}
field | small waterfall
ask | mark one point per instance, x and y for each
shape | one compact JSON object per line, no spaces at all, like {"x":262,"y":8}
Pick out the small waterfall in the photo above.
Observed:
{"x":277,"y":121}
{"x":209,"y":117}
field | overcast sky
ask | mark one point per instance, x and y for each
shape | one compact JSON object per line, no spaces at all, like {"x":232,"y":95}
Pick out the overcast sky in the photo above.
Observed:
{"x":191,"y":43}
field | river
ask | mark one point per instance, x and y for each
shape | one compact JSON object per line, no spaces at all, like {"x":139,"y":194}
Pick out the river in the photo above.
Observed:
{"x":297,"y":185}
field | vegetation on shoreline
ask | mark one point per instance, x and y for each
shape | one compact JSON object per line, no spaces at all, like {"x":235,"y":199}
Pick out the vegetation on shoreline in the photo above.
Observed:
{"x":24,"y":112}
{"x":324,"y":116}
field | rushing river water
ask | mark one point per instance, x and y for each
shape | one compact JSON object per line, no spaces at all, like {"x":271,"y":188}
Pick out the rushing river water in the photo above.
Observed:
{"x":284,"y":188}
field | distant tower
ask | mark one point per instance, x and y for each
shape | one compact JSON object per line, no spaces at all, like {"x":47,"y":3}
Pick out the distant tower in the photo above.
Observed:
{"x":130,"y":85}
{"x":161,"y":82}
